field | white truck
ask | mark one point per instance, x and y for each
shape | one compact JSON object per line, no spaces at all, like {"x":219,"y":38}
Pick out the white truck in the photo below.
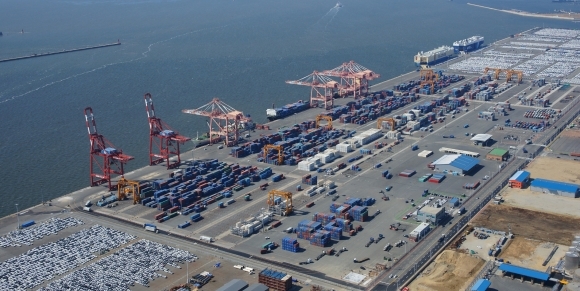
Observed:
{"x":206,"y":239}
{"x":151,"y":227}
{"x":239,"y":267}
{"x":87,"y":209}
{"x":249,"y":270}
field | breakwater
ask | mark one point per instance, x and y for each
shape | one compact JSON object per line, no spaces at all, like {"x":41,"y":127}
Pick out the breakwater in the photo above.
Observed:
{"x":61,"y":52}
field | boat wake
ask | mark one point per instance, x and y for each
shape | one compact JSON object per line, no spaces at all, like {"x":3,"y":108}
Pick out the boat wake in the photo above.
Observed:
{"x":143,"y":56}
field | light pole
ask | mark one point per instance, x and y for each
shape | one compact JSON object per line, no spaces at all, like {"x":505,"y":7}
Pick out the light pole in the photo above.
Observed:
{"x":18,"y":217}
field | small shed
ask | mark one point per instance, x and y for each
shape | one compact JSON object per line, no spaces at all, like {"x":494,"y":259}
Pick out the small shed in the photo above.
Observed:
{"x":555,"y":187}
{"x":524,"y":273}
{"x":483,"y":139}
{"x":481,"y":285}
{"x":519,"y":180}
{"x":234,"y":285}
{"x":497,"y":154}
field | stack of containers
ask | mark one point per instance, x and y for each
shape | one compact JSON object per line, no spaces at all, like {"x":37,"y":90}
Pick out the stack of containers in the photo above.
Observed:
{"x":368,"y":201}
{"x":290,"y":244}
{"x":335,"y":232}
{"x":344,"y":224}
{"x":353,"y":201}
{"x":437,"y":178}
{"x":407,"y":173}
{"x":323,"y":218}
{"x":334,"y":206}
{"x":359,"y":213}
{"x":311,"y":180}
{"x":320,"y":238}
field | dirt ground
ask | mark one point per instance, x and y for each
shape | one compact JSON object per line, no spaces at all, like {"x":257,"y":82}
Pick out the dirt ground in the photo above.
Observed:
{"x":549,"y":203}
{"x":532,"y":253}
{"x":450,"y":271}
{"x":545,"y":227}
{"x":554,"y":169}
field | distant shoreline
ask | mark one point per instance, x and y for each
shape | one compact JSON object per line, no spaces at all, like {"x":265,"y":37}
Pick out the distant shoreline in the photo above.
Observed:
{"x":523,"y":13}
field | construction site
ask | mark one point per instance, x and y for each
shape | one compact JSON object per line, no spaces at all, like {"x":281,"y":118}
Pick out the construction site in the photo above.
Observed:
{"x":358,"y":187}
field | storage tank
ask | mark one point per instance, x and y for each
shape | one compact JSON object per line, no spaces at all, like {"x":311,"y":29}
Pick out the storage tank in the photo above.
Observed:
{"x":571,"y":261}
{"x":572,"y":250}
{"x":577,"y":237}
{"x":576,"y":243}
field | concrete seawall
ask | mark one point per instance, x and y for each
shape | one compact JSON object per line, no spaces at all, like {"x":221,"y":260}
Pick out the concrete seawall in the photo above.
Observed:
{"x":61,"y":52}
{"x":523,"y":13}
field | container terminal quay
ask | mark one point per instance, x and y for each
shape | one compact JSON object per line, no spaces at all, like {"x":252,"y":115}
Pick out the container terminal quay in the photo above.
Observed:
{"x":365,"y":191}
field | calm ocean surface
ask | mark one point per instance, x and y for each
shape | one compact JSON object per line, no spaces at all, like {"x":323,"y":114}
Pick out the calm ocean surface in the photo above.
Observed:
{"x":185,"y":53}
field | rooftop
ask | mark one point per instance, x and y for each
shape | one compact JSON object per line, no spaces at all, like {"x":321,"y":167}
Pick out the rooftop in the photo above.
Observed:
{"x":555,"y":185}
{"x":233,"y":285}
{"x":419,"y":229}
{"x":257,"y":287}
{"x":431,"y":210}
{"x":464,"y":163}
{"x":524,"y":272}
{"x":498,"y":152}
{"x":481,"y":137}
{"x":481,"y":285}
{"x":520,"y":176}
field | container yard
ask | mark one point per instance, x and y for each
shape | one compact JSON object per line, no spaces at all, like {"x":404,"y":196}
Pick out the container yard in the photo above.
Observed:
{"x":333,"y":183}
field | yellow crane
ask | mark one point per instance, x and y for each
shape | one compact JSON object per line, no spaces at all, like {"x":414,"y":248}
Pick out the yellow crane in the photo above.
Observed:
{"x":284,"y":195}
{"x":510,"y":73}
{"x":387,"y":119}
{"x":428,"y":77}
{"x":328,"y":119}
{"x":126,"y":188}
{"x":280,"y":149}
{"x":496,"y":72}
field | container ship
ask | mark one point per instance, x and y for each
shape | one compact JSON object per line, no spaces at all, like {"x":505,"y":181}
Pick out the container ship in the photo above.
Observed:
{"x":425,"y":59}
{"x":287,"y":110}
{"x":469,"y":44}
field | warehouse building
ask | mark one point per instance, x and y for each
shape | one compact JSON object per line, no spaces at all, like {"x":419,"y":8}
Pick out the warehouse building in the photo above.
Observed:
{"x":522,"y":273}
{"x":481,"y":139}
{"x":430,"y":214}
{"x":258,"y":287}
{"x":419,"y":232}
{"x":455,"y":163}
{"x":555,"y":187}
{"x":234,"y":285}
{"x":498,"y":154}
{"x":520,"y":179}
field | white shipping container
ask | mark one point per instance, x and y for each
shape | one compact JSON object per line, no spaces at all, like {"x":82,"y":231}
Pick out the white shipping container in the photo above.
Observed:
{"x":330,"y":184}
{"x":306,"y":166}
{"x":344,"y":148}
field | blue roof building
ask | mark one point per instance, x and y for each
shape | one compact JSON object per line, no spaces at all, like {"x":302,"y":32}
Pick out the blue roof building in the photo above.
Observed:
{"x":524,"y":272}
{"x":454,"y":201}
{"x":555,"y":187}
{"x":519,"y":179}
{"x":455,"y":163}
{"x":481,"y":285}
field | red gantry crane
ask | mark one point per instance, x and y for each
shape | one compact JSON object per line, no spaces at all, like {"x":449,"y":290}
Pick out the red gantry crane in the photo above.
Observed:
{"x":354,"y":78}
{"x":163,"y":142}
{"x":322,"y":89}
{"x":228,"y":121}
{"x":105,"y":159}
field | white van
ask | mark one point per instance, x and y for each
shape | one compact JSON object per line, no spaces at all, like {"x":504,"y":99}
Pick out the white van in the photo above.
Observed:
{"x":513,"y":148}
{"x":87,"y":209}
